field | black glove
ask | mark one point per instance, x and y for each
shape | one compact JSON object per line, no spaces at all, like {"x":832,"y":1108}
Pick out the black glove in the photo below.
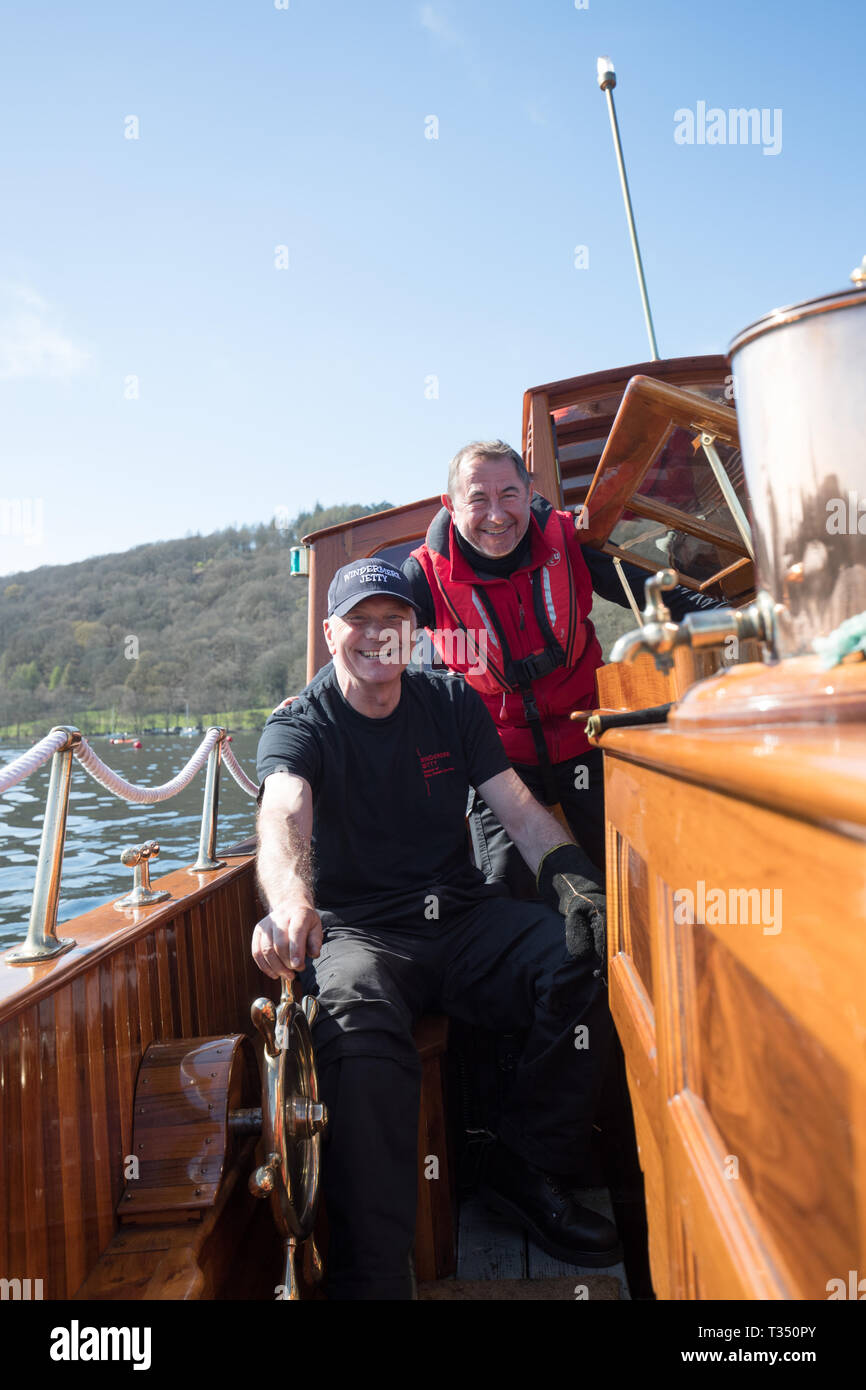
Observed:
{"x":569,"y":882}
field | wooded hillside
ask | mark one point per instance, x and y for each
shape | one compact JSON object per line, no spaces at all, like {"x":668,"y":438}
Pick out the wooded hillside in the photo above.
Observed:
{"x":213,"y":621}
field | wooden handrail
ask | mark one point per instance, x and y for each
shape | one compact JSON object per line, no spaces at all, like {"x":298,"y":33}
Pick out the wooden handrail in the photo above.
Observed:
{"x":680,"y":371}
{"x":104,"y":931}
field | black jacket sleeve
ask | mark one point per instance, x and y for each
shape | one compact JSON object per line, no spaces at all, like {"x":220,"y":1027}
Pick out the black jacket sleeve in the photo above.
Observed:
{"x":421,"y":595}
{"x":605,"y":582}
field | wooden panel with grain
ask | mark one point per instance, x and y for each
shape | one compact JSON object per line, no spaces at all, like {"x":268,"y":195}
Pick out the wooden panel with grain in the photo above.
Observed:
{"x":72,"y":1034}
{"x":636,"y":894}
{"x":753,"y":1142}
{"x":781,"y":1105}
{"x":181,"y":1138}
{"x":639,"y":684}
{"x":632,"y":1009}
{"x":541,"y":458}
{"x":233,"y":1252}
{"x":435,"y":1243}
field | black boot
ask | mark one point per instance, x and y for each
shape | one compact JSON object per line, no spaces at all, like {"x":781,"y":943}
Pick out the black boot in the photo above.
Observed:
{"x":543,"y":1204}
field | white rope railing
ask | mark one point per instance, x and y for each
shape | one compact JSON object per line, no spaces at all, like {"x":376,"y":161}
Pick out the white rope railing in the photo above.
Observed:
{"x":60,"y":746}
{"x":21,"y":767}
{"x":41,"y":752}
{"x":146,"y":796}
{"x":234,"y":767}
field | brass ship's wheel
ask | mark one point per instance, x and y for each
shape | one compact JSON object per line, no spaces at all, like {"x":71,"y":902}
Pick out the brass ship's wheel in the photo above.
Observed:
{"x":293,"y":1121}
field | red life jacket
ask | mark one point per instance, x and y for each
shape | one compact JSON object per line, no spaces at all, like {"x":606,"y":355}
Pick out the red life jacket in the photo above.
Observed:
{"x":541,"y":653}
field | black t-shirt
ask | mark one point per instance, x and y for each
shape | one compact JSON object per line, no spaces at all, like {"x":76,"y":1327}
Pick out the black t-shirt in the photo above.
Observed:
{"x":389,"y":795}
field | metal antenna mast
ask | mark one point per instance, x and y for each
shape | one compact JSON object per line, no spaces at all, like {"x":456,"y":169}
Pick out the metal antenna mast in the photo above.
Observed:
{"x":607,"y":82}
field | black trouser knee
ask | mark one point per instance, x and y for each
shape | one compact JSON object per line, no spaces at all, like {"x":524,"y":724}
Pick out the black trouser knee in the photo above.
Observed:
{"x":580,"y":790}
{"x":370,"y":1176}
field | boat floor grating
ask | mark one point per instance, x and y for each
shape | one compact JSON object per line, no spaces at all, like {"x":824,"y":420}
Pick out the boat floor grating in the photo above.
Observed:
{"x":492,"y":1248}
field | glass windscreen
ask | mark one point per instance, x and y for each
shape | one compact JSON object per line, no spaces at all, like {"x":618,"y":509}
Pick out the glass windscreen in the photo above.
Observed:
{"x":682,"y":478}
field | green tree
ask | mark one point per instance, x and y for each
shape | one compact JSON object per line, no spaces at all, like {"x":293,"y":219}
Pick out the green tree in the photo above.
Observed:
{"x":24,"y":677}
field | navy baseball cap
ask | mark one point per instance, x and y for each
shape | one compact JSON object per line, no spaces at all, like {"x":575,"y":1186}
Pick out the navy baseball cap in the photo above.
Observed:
{"x":360,"y":579}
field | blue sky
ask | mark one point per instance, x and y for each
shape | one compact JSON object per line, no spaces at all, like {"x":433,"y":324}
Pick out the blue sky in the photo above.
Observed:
{"x":260,"y":387}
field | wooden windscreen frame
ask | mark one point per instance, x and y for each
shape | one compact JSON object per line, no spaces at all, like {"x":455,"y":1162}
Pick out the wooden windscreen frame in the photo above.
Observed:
{"x":541,"y":403}
{"x":648,"y":414}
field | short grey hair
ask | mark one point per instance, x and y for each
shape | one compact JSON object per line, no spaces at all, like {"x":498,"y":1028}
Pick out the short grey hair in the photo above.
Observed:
{"x":486,"y":449}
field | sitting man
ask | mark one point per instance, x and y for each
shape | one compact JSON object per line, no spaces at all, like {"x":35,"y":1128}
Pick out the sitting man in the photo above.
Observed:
{"x":364,"y":862}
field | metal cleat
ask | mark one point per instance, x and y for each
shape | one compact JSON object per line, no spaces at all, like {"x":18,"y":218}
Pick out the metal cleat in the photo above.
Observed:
{"x":138,"y":859}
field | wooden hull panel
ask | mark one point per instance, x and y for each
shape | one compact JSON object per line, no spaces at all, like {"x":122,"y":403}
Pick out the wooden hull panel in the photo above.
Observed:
{"x":744,"y":1031}
{"x":72,"y":1035}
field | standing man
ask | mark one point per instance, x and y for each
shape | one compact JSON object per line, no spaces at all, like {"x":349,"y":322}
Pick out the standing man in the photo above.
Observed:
{"x":504,"y":569}
{"x":364,"y":862}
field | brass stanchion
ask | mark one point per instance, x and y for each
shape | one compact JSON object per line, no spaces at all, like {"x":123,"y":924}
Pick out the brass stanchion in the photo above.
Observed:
{"x":42,"y":942}
{"x":210,"y":810}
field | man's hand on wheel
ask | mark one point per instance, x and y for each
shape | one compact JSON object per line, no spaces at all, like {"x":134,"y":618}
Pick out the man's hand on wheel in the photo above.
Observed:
{"x":569,"y":882}
{"x":283,"y":939}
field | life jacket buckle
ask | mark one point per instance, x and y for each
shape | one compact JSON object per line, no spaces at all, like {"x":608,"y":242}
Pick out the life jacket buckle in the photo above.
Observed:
{"x":538,"y":664}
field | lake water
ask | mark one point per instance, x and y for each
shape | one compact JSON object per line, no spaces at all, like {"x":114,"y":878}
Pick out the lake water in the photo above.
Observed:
{"x":100,"y":825}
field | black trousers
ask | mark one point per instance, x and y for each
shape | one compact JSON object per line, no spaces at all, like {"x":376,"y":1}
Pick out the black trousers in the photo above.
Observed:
{"x":580,"y":791}
{"x":500,"y":964}
{"x":580,"y":786}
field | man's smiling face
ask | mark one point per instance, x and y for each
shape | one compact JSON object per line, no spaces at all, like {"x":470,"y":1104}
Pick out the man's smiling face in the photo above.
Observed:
{"x":371,"y":643}
{"x":490,"y":507}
